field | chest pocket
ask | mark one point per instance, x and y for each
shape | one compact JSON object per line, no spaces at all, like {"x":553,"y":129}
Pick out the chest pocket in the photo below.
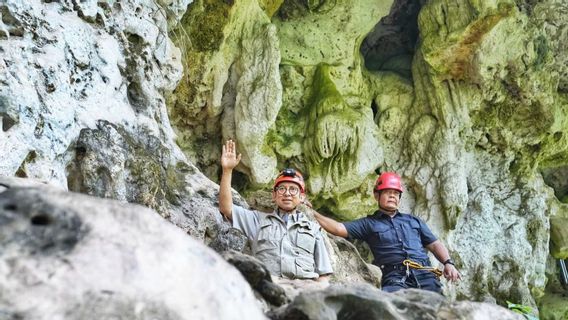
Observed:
{"x":385,"y":235}
{"x":306,"y":238}
{"x":412,"y":233}
{"x":269,"y":230}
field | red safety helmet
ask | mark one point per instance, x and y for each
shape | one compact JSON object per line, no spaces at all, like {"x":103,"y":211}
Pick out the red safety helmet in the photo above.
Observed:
{"x":388,"y":180}
{"x":291,"y":175}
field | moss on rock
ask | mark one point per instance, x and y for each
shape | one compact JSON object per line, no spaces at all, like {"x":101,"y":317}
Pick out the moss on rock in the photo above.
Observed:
{"x":327,"y":32}
{"x":553,"y":306}
{"x":205,"y":22}
{"x":337,"y":136}
{"x":559,"y":237}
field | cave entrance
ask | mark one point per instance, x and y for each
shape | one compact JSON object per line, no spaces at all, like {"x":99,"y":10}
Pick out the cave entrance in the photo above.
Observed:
{"x":392,"y":43}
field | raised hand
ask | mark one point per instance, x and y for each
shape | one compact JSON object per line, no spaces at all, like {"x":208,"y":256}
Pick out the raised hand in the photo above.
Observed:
{"x":229,"y":157}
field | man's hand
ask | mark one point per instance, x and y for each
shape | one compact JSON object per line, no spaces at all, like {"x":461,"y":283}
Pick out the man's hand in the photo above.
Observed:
{"x":229,"y":157}
{"x":451,"y":273}
{"x":229,"y":160}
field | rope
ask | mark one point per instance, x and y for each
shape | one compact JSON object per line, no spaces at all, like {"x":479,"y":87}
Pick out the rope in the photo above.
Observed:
{"x":415,"y":265}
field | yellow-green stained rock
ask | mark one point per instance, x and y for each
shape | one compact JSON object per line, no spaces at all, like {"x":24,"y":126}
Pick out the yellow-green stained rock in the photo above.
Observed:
{"x":450,"y":44}
{"x":341,"y":147}
{"x":329,"y":32}
{"x":553,"y":306}
{"x":474,"y":115}
{"x":559,"y":237}
{"x":270,"y":6}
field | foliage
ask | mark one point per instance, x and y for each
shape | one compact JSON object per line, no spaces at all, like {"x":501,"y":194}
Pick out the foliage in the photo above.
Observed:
{"x":526,"y":311}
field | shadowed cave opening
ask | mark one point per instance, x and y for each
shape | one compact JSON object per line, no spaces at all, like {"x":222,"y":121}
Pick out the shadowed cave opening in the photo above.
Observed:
{"x":7,"y":121}
{"x":392,"y":43}
{"x":556,"y":179}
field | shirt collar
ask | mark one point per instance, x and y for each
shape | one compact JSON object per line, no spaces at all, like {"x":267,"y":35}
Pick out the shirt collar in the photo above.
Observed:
{"x":382,"y":215}
{"x":294,"y":217}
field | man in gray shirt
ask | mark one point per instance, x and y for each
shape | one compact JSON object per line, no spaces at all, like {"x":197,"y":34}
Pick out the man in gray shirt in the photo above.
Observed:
{"x":286,"y":241}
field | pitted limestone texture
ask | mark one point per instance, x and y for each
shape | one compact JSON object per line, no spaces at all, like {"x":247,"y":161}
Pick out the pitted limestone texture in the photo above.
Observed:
{"x":367,"y":302}
{"x":71,"y":256}
{"x":110,"y":162}
{"x":483,"y":124}
{"x":36,"y":225}
{"x":230,"y":90}
{"x":68,"y":64}
{"x":471,"y":132}
{"x":327,"y":31}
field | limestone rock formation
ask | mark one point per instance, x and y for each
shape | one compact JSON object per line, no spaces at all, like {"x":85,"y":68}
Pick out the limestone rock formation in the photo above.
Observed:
{"x":67,"y":64}
{"x":233,"y":52}
{"x":258,"y":276}
{"x":82,"y":100}
{"x":71,"y":256}
{"x":468,"y":101}
{"x":367,"y":302}
{"x":465,"y":99}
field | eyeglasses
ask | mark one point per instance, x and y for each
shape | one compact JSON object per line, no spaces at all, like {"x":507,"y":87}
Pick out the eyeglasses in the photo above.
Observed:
{"x":293,"y":190}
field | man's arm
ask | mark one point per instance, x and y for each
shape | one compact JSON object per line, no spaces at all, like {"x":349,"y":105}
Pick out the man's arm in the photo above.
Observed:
{"x":331,"y":226}
{"x":441,"y":253}
{"x":229,"y":160}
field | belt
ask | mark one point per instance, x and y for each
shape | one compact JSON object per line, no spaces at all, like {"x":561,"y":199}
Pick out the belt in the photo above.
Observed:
{"x":385,"y":268}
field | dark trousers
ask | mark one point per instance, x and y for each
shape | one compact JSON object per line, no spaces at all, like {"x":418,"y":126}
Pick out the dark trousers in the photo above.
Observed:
{"x":397,"y":280}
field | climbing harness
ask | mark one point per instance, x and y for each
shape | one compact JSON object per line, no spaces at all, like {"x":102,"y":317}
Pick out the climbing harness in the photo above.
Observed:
{"x":415,"y":265}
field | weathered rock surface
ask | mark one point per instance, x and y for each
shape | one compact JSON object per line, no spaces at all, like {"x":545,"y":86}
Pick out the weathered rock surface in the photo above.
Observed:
{"x":71,"y":256}
{"x":110,"y":162}
{"x":82,"y":104}
{"x":367,"y":302}
{"x":66,"y":65}
{"x":233,"y":88}
{"x":258,"y":276}
{"x":466,"y":99}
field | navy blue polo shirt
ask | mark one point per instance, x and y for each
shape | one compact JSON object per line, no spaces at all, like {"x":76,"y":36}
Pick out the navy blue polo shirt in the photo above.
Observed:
{"x":393,"y":240}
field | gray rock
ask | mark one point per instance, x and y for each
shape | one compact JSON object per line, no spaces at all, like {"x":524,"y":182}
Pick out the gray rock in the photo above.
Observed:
{"x":350,"y":302}
{"x":67,"y":64}
{"x":258,"y":276}
{"x":71,"y":256}
{"x":111,"y":162}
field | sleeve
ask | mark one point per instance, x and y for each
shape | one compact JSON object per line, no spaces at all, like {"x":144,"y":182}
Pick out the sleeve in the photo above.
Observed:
{"x":356,"y":229}
{"x":321,"y":256}
{"x":426,"y":235}
{"x":246,"y":220}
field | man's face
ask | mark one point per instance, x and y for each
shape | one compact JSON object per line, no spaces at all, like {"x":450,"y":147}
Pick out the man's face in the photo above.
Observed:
{"x":287,"y":196}
{"x":388,"y":199}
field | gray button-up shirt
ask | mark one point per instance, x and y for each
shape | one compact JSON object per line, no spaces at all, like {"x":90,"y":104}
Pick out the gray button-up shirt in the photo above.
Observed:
{"x":291,"y":249}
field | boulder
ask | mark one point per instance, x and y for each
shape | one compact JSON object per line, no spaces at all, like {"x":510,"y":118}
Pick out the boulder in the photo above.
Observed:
{"x":368,"y":302}
{"x":71,"y":256}
{"x":258,"y":276}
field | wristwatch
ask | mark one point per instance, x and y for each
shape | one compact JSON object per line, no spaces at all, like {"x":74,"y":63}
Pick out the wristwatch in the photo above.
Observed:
{"x":450,"y":261}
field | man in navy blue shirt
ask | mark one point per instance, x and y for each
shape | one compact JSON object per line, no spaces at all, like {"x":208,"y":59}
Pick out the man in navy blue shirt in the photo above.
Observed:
{"x":394,"y":238}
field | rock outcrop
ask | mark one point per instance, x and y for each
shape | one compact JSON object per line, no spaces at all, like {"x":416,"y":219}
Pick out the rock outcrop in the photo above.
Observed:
{"x":468,"y":103}
{"x":366,"y":302}
{"x":465,"y":99}
{"x":71,"y":256}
